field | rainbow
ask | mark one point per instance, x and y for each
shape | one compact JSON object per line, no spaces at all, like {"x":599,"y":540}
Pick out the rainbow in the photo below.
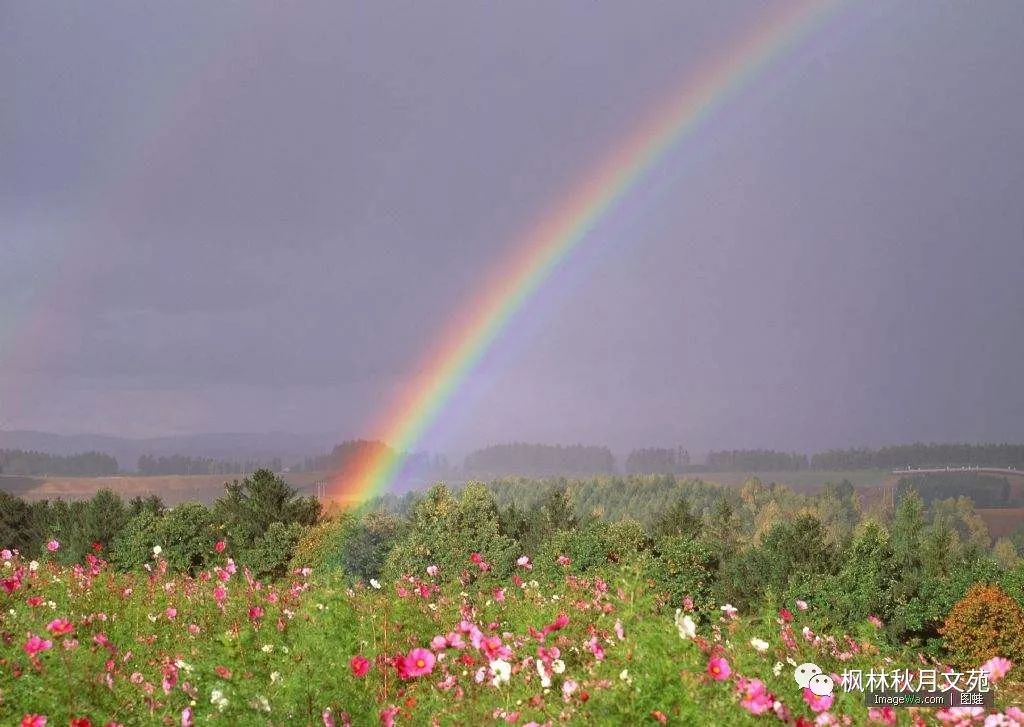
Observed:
{"x":534,"y":261}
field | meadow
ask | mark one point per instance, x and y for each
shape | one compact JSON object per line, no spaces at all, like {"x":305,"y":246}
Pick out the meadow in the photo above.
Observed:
{"x":499,"y":605}
{"x":87,"y":646}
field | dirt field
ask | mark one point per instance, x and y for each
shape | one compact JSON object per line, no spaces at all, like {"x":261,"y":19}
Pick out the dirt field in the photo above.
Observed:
{"x":172,"y":488}
{"x":1002,"y":522}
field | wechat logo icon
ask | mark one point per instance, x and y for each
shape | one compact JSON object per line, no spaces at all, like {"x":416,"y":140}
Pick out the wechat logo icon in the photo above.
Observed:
{"x":810,"y":676}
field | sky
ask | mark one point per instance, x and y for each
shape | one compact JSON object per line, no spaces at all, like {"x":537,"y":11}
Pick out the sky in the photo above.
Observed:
{"x":225,"y":217}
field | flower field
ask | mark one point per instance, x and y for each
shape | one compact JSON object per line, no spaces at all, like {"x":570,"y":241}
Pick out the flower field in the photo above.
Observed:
{"x":86,"y":645}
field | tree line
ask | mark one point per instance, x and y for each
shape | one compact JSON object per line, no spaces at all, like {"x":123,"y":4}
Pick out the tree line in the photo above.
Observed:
{"x":538,"y":460}
{"x":31,"y":463}
{"x":177,"y":464}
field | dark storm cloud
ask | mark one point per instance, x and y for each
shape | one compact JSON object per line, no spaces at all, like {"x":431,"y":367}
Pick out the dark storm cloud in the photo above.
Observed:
{"x":253,"y":218}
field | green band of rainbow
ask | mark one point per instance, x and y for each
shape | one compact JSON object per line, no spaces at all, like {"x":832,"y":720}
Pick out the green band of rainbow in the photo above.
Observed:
{"x":533,"y":262}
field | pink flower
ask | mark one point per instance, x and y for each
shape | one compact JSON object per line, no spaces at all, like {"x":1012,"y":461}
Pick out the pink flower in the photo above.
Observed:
{"x":255,"y":612}
{"x":718,"y":668}
{"x":597,"y":651}
{"x":816,"y":703}
{"x":524,"y":562}
{"x":439,"y":643}
{"x":60,"y":626}
{"x":499,"y":595}
{"x":6,"y":554}
{"x":885,"y":715}
{"x":730,"y":610}
{"x":754,"y":697}
{"x":359,"y":665}
{"x":619,"y":631}
{"x":219,"y":546}
{"x":419,"y":662}
{"x":34,"y":645}
{"x":328,"y":717}
{"x":387,"y":716}
{"x":564,"y":560}
{"x":801,"y":605}
{"x":875,"y":621}
{"x":171,"y":612}
{"x":186,"y":717}
{"x":688,"y":603}
{"x":33,"y":720}
{"x":53,"y":546}
{"x":997,"y":667}
{"x":432,"y":571}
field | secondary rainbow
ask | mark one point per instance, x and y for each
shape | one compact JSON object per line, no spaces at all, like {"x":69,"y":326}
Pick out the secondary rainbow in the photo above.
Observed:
{"x":516,"y":279}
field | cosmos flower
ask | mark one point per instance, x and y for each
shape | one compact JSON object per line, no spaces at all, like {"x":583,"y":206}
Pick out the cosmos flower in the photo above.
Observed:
{"x":502,"y":672}
{"x":359,"y":665}
{"x":997,"y":667}
{"x":53,"y":546}
{"x":718,"y":668}
{"x":418,"y":662}
{"x":759,"y":645}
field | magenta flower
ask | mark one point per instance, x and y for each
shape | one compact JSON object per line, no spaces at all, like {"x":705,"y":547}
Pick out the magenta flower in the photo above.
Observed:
{"x":60,"y":626}
{"x":419,"y":662}
{"x":359,"y":665}
{"x":718,"y":668}
{"x":755,"y":698}
{"x":816,"y":703}
{"x":34,"y":645}
{"x":33,"y":720}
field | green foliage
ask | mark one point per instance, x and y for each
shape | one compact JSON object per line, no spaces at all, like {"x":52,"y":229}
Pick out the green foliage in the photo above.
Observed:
{"x":133,"y":545}
{"x":365,"y":549}
{"x":686,"y":565}
{"x":269,"y":557}
{"x":442,"y":529}
{"x":186,"y":535}
{"x":249,"y":508}
{"x":320,"y":546}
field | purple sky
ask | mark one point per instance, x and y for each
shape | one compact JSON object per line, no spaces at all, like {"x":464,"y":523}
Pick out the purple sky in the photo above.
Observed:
{"x":225,"y":217}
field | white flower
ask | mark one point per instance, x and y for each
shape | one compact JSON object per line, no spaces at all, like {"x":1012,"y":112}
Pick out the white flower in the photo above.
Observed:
{"x":33,"y":565}
{"x":759,"y":645}
{"x":275,"y":677}
{"x":687,"y":628}
{"x":267,"y":648}
{"x":730,"y":610}
{"x":502,"y":671}
{"x":375,"y":583}
{"x":777,"y":669}
{"x":184,"y":666}
{"x":545,"y":679}
{"x":157,"y":550}
{"x":558,"y":666}
{"x":624,"y":676}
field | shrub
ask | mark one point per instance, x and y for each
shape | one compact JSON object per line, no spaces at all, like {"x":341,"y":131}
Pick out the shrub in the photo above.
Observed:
{"x":187,"y":535}
{"x":368,"y":543}
{"x":686,"y":566}
{"x":269,"y":557}
{"x":320,"y":546}
{"x":986,"y":622}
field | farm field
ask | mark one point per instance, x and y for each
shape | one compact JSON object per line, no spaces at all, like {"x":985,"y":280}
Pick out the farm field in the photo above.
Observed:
{"x":174,"y":489}
{"x":802,"y":480}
